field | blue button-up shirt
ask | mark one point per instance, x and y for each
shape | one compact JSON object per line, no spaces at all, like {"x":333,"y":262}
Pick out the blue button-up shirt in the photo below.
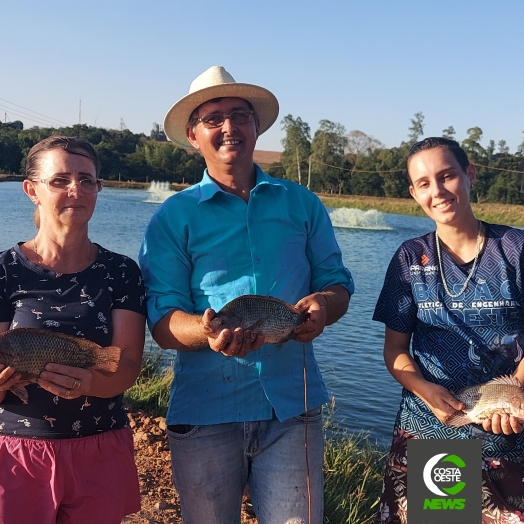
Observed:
{"x":205,"y":247}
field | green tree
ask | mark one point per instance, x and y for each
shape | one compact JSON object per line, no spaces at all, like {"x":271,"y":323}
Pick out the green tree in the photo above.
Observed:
{"x":330,"y":169}
{"x":297,"y":147}
{"x":472,"y":146}
{"x":392,"y":164}
{"x":490,"y":150}
{"x":277,"y":170}
{"x":360,"y":145}
{"x":449,"y":132}
{"x":416,"y":130}
{"x":503,"y":147}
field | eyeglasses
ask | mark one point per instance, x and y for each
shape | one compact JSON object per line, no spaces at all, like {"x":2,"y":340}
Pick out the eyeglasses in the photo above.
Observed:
{"x":58,"y":184}
{"x":238,"y":118}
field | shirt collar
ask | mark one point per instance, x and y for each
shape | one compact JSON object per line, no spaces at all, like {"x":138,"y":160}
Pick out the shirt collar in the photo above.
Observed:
{"x":209,"y":188}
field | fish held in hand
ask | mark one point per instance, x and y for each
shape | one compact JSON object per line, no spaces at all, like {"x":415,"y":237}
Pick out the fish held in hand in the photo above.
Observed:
{"x":498,"y":396}
{"x":271,"y":317}
{"x":29,"y":350}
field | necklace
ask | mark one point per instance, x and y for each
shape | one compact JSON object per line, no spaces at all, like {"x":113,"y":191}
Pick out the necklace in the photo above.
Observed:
{"x":472,"y":270}
{"x":39,"y":259}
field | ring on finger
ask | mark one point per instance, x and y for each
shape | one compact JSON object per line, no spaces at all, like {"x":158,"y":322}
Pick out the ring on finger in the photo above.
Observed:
{"x":76,"y":384}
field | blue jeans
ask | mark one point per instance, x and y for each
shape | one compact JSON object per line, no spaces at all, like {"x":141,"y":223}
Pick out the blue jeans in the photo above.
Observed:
{"x":212,"y":464}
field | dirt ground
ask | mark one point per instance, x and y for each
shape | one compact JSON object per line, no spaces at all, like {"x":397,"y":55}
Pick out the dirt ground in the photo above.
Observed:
{"x":160,"y":503}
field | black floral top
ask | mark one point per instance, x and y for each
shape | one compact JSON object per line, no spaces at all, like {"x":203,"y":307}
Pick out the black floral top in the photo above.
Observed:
{"x":77,"y":304}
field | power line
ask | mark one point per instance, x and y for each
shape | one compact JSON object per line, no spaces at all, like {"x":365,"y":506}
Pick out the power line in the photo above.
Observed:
{"x":395,"y":170}
{"x":23,"y":115}
{"x":35,"y":112}
{"x":498,"y":168}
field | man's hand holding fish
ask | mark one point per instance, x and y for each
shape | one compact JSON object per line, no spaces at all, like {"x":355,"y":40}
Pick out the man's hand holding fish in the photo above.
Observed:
{"x":231,"y":343}
{"x":322,"y":309}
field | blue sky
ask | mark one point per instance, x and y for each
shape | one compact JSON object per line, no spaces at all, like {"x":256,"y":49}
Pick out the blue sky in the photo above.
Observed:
{"x":368,"y":65}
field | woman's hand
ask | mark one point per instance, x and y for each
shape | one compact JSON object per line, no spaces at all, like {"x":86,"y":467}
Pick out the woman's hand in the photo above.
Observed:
{"x":507,"y":424}
{"x":9,"y":377}
{"x":441,"y":401}
{"x":66,"y":381}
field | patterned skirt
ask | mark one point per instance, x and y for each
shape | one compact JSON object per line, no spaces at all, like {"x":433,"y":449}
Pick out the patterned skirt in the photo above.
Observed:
{"x":502,"y":487}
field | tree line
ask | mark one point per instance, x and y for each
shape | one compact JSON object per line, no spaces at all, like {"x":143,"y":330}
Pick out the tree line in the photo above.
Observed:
{"x":124,"y":155}
{"x":332,"y":161}
{"x":335,"y":161}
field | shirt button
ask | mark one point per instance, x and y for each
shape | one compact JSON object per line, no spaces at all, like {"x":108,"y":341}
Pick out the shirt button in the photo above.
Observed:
{"x":249,"y":221}
{"x":257,"y":260}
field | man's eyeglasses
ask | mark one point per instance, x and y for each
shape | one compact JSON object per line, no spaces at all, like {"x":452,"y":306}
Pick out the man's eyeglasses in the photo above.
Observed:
{"x":238,"y":118}
{"x":58,"y":184}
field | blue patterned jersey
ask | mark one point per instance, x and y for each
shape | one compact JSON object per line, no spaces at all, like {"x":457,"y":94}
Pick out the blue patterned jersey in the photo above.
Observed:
{"x":459,"y":341}
{"x":77,"y":304}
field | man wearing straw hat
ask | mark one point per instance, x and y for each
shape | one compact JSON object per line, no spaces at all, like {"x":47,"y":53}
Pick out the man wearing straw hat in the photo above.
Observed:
{"x":241,"y":411}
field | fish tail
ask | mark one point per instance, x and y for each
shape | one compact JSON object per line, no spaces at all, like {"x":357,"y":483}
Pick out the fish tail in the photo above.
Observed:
{"x":107,"y":359}
{"x":21,"y":393}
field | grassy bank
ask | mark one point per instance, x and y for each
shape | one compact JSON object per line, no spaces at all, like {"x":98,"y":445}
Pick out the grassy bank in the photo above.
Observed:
{"x":495,"y":213}
{"x":352,"y":464}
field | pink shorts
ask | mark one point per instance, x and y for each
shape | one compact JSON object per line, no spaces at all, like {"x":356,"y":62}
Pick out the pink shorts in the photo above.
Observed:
{"x":83,"y":480}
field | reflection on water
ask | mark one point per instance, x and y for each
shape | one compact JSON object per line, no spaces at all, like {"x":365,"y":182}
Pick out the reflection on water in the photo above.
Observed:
{"x":349,"y":352}
{"x":355,"y":218}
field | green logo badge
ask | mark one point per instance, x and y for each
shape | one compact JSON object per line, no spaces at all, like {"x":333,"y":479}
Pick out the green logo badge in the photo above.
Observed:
{"x":433,"y":476}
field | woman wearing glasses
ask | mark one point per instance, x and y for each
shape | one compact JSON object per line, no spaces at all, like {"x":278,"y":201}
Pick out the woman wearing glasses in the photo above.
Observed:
{"x":69,"y":446}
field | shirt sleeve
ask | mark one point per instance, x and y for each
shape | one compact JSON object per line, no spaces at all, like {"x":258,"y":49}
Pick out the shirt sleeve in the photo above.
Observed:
{"x":163,"y":250}
{"x":396,"y":306}
{"x":324,"y":254}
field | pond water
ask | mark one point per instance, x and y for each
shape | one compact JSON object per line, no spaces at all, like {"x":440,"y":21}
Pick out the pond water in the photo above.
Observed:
{"x":365,"y":396}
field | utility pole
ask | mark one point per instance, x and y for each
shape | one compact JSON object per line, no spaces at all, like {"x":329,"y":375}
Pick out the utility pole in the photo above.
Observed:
{"x":298,"y":168}
{"x":309,"y":172}
{"x":80,"y":112}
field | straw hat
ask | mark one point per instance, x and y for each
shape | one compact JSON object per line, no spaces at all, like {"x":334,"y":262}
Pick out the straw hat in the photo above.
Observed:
{"x":216,"y":82}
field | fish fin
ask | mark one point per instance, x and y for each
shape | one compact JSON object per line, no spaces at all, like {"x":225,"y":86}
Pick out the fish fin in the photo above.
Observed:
{"x":255,"y":327}
{"x":506,"y":379}
{"x":458,"y":419}
{"x":107,"y":359}
{"x":21,"y":393}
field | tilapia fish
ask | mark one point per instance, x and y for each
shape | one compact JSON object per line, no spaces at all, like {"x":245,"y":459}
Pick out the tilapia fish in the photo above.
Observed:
{"x":498,"y":396}
{"x":28,"y":351}
{"x":272,"y":317}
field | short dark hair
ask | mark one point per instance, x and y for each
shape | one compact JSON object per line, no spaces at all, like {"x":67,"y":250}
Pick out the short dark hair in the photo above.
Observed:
{"x":438,"y":141}
{"x":193,"y":117}
{"x":71,"y":144}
